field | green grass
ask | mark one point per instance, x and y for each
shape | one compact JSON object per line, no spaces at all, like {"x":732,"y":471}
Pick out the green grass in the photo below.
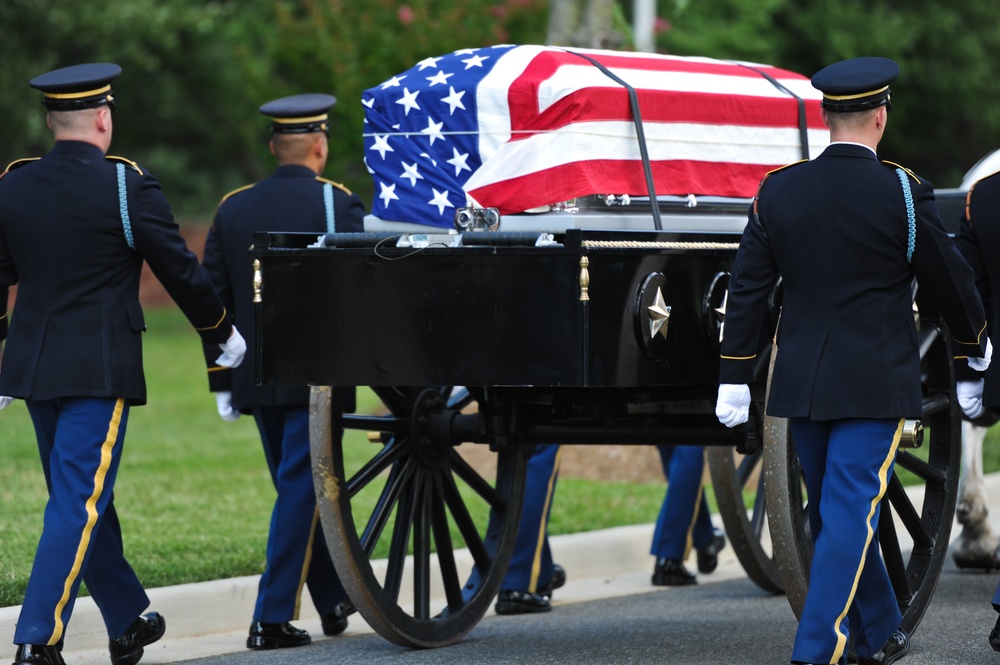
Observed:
{"x":193,"y":492}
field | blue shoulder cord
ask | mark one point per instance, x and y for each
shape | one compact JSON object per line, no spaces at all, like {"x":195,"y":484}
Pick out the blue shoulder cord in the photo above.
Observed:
{"x":123,"y":205}
{"x":911,"y":221}
{"x":331,"y":223}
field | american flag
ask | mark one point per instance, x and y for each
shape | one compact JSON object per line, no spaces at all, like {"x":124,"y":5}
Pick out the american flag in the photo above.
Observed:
{"x":519,"y":127}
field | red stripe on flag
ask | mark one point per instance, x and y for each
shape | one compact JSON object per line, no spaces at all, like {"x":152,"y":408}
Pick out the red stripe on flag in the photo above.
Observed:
{"x":582,"y":178}
{"x":522,"y":96}
{"x":603,"y":104}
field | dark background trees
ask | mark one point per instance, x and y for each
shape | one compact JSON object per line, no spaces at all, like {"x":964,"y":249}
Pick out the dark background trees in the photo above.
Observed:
{"x":196,"y":71}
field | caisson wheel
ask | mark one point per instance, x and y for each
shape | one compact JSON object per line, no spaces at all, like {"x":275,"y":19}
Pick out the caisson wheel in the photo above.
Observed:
{"x":745,"y":518}
{"x":420,"y":538}
{"x":915,"y":522}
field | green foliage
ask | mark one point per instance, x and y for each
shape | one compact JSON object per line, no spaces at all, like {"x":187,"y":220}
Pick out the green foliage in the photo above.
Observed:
{"x":947,"y":97}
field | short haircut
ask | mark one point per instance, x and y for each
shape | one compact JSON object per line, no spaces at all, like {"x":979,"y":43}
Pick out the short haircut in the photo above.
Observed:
{"x":293,"y":147}
{"x":851,"y":119}
{"x":71,"y":121}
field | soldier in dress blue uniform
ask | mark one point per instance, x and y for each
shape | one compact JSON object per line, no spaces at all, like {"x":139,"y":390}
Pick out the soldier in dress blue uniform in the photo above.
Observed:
{"x":847,"y":234}
{"x":293,"y":198}
{"x":532,"y":575}
{"x":75,"y":228}
{"x":684,"y":521}
{"x":978,"y":239}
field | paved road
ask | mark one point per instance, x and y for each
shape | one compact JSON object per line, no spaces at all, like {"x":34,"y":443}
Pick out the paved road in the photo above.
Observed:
{"x":727,"y":622}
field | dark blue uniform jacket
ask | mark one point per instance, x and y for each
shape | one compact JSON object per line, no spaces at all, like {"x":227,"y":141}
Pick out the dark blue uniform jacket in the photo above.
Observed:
{"x":290,"y":200}
{"x":835,"y":230}
{"x":979,"y":241}
{"x":77,"y":324}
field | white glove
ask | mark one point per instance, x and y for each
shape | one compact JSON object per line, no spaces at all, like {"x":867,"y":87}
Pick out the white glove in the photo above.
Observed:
{"x":982,"y":363}
{"x":224,"y":401}
{"x":233,"y":350}
{"x":5,"y":402}
{"x":970,"y":397}
{"x":733,"y":407}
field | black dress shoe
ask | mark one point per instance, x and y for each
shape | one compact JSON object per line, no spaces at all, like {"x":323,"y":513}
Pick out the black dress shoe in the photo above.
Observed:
{"x":276,"y":636}
{"x":708,"y":558}
{"x":995,"y":635}
{"x":671,"y":572}
{"x":34,"y":654}
{"x":521,"y":602}
{"x":335,"y":622}
{"x":894,"y":648}
{"x":557,"y":581}
{"x":127,"y":649}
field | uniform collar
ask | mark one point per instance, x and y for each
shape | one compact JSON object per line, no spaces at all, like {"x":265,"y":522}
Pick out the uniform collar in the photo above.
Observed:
{"x":846,"y":149}
{"x":76,"y":148}
{"x":294,"y":171}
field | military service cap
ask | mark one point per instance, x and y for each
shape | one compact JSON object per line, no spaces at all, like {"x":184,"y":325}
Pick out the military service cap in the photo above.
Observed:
{"x":78,"y":87}
{"x":299,"y":113}
{"x":857,"y":84}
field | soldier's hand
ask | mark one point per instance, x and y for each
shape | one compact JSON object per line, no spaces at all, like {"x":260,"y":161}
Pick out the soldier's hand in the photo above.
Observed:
{"x":233,"y":350}
{"x":224,"y":402}
{"x":970,"y":397}
{"x":982,"y":363}
{"x":733,"y":406}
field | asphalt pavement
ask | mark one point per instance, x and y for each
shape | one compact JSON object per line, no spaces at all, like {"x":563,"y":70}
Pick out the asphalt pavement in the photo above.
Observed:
{"x":608,"y":612}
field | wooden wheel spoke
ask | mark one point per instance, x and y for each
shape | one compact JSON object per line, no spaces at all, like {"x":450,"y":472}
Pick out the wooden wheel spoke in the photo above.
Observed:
{"x":907,"y":513}
{"x":445,"y":550}
{"x":935,"y":403}
{"x":933,"y":476}
{"x":463,"y":520}
{"x":422,"y":548}
{"x":759,"y":512}
{"x":475,"y":482}
{"x":405,"y":514}
{"x":395,"y":399}
{"x":892,"y":555}
{"x":375,"y":423}
{"x":747,"y":466}
{"x":389,"y":454}
{"x":398,"y":478}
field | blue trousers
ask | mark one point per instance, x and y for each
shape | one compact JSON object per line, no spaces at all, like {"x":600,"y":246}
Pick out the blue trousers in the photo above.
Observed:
{"x":847,"y":466}
{"x":684,"y":519}
{"x":80,"y":444}
{"x":531,"y":565}
{"x":296,"y":549}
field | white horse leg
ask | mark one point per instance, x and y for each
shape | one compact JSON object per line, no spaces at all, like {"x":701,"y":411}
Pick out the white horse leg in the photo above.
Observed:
{"x":976,"y":547}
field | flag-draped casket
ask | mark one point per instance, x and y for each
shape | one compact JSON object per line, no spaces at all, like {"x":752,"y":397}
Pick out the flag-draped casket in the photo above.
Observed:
{"x":522,"y":127}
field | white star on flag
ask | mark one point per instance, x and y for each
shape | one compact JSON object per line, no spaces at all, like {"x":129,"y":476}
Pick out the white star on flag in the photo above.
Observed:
{"x":388,"y":193}
{"x":454,"y":100}
{"x":440,"y":200}
{"x":433,"y":130}
{"x":382,"y":145}
{"x":393,"y":82}
{"x":411,"y":172}
{"x":458,"y":161}
{"x":475,"y":61}
{"x":409,"y":101}
{"x":439,"y":77}
{"x":427,"y":62}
